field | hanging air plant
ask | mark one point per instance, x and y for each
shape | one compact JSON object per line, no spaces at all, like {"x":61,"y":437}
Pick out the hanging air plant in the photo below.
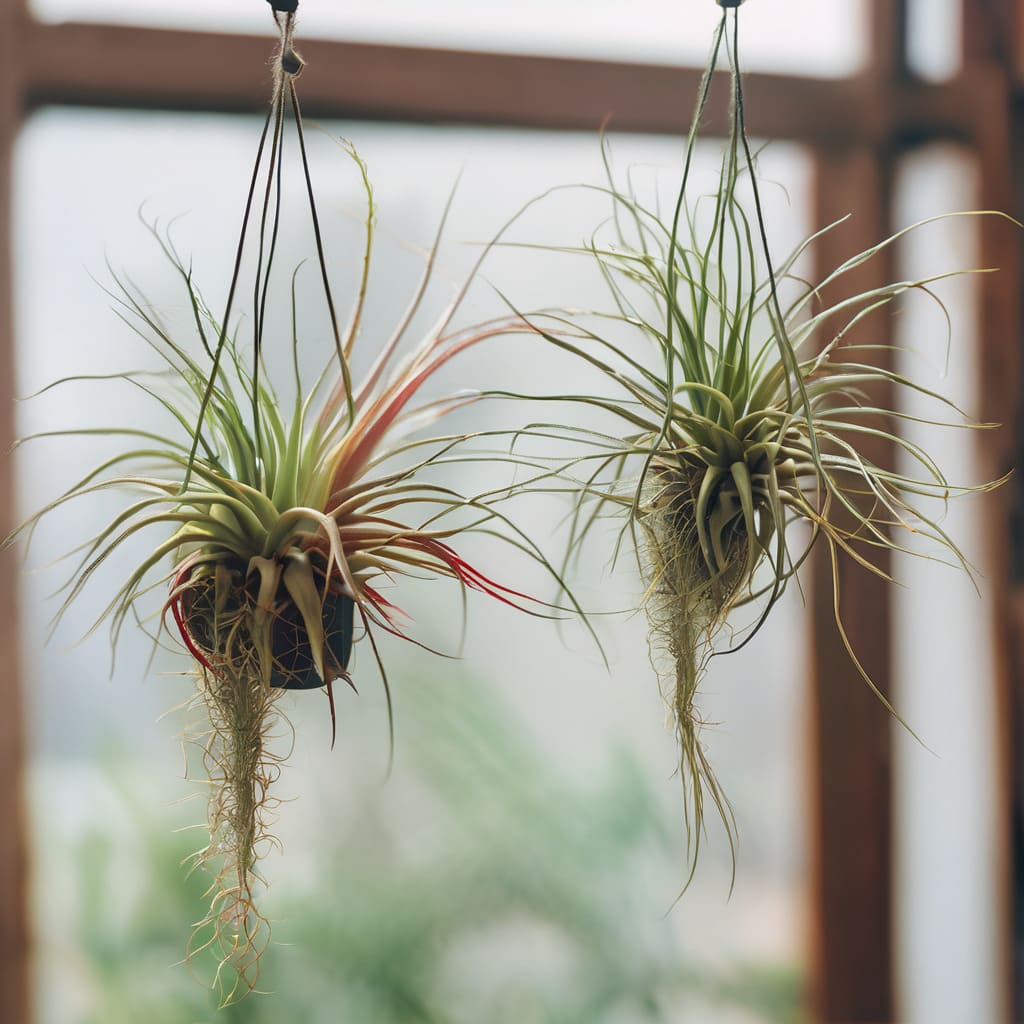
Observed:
{"x":745,"y":418}
{"x":282,"y":533}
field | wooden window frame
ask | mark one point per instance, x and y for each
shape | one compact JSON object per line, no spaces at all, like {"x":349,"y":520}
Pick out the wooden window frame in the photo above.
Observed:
{"x":855,"y":130}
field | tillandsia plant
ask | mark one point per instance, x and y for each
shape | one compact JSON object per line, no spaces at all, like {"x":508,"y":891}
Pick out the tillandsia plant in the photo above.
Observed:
{"x":281,"y":533}
{"x":749,"y":417}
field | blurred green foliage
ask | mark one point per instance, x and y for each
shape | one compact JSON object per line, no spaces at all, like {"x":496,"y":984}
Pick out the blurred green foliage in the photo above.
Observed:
{"x":515,"y":896}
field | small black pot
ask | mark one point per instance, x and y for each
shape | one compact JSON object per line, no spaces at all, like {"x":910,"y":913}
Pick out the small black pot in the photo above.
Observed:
{"x":293,"y":667}
{"x":293,"y":658}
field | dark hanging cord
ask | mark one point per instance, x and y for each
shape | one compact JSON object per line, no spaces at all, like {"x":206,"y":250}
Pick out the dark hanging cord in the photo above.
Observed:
{"x":222,"y":336}
{"x":671,"y":275}
{"x":789,"y":357}
{"x":289,"y":64}
{"x":691,"y":145}
{"x":342,"y":358}
{"x":264,"y":265}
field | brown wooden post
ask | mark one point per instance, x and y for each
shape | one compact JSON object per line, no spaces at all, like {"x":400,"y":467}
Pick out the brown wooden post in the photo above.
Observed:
{"x":14,"y":942}
{"x":852,"y":969}
{"x":992,"y":46}
{"x":853,"y":977}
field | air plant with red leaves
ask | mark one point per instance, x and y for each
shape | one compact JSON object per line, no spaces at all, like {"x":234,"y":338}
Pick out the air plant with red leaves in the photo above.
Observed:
{"x":281,"y":534}
{"x":285,"y":542}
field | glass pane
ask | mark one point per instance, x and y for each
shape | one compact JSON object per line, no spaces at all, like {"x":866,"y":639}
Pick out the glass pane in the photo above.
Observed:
{"x":528,"y":849}
{"x":795,"y":36}
{"x":934,"y":38}
{"x":950,"y":935}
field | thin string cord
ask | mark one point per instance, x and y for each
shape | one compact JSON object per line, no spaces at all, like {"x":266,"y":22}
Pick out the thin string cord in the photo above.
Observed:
{"x":223,"y":334}
{"x":289,"y":64}
{"x":670,"y":273}
{"x":786,"y":349}
{"x":321,"y":259}
{"x":775,"y":310}
{"x":691,"y":145}
{"x":263,"y":268}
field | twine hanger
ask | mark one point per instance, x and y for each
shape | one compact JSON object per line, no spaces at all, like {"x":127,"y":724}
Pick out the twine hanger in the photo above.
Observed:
{"x":288,"y":65}
{"x":288,"y":60}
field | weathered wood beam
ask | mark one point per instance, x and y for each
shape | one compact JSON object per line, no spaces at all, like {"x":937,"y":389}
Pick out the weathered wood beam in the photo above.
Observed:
{"x":992,"y":37}
{"x":119,"y":66}
{"x":852,"y":970}
{"x":14,"y":931}
{"x":991,"y":32}
{"x":887,"y":39}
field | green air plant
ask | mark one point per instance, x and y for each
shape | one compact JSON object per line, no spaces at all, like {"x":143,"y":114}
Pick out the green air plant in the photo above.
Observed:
{"x":281,"y":533}
{"x":746,"y":420}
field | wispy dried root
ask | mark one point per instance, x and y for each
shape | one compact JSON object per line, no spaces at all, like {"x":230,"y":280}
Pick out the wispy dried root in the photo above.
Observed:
{"x":241,"y":707}
{"x":687,"y":606}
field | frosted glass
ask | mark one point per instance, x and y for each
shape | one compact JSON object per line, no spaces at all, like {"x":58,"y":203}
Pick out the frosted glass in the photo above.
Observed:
{"x":947,"y":834}
{"x":81,"y":177}
{"x":934,"y":37}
